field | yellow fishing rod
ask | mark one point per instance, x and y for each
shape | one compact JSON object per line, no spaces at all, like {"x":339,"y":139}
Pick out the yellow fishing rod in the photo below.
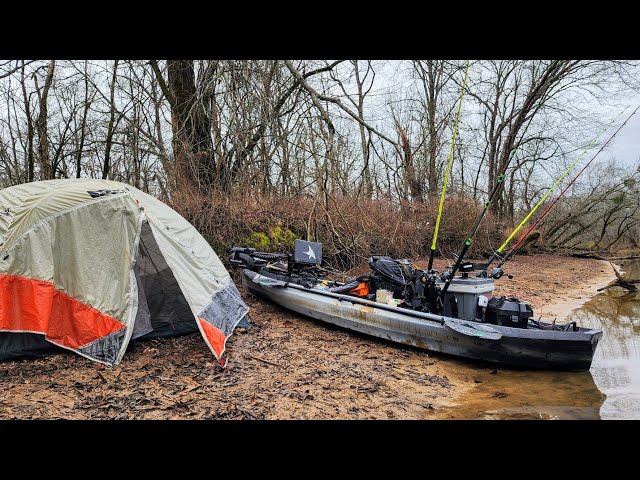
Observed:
{"x":450,"y":275}
{"x":497,"y":253}
{"x":497,"y":273}
{"x":434,"y":242}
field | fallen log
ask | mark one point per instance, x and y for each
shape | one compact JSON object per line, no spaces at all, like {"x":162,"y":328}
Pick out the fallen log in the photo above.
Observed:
{"x":600,"y":257}
{"x":588,"y":255}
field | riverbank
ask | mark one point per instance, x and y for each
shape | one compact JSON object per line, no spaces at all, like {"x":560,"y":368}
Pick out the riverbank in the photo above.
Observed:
{"x":284,"y":366}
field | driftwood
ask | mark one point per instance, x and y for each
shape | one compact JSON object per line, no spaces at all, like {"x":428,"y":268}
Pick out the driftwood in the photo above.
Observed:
{"x":620,"y":282}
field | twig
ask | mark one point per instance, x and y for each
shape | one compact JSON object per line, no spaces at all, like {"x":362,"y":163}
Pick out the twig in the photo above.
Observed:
{"x":263,"y":360}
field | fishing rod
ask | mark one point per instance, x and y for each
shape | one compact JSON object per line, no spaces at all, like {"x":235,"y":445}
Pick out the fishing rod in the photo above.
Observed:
{"x":447,"y":279}
{"x":518,"y":245}
{"x":497,"y":253}
{"x":446,"y":173}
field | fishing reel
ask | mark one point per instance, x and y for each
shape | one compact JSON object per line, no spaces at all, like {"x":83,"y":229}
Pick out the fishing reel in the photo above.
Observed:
{"x":497,"y":273}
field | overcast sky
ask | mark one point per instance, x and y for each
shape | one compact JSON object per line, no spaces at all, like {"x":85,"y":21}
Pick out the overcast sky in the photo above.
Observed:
{"x":626,"y":146}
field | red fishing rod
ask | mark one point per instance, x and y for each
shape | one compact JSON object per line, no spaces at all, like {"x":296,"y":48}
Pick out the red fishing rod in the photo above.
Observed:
{"x":518,"y":245}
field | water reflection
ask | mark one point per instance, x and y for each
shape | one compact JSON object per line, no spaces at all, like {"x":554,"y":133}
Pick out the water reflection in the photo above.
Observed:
{"x":529,"y":394}
{"x":610,"y":390}
{"x":616,"y":364}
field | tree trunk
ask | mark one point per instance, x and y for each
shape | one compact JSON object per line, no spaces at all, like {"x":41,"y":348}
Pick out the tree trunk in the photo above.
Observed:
{"x":365,"y":182}
{"x":83,"y":127}
{"x":106,"y":168}
{"x":192,"y":145}
{"x":46,"y":171}
{"x":432,"y":99}
{"x":30,"y":129}
{"x":413,"y":181}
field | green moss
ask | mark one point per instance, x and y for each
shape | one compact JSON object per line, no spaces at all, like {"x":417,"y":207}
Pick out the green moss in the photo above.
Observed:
{"x":258,"y":240}
{"x":278,"y":239}
{"x":282,"y":238}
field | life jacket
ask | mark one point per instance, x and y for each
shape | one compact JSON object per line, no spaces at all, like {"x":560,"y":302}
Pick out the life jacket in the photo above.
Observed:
{"x":362,"y":290}
{"x":359,"y":286}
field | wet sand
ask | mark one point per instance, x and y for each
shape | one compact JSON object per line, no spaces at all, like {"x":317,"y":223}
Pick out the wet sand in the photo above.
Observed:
{"x":289,"y":367}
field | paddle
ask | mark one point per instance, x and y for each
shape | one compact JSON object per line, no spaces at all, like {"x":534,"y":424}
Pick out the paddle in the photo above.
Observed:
{"x":473,"y":329}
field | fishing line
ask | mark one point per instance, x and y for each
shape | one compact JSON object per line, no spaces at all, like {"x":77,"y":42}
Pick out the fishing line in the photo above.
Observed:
{"x":447,"y":171}
{"x":553,"y":187}
{"x":518,"y":245}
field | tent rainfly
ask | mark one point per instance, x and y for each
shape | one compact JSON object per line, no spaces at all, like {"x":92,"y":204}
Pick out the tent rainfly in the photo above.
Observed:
{"x":89,"y":265}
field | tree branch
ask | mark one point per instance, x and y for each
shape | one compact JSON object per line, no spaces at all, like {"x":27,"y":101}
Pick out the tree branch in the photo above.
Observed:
{"x":316,"y":96}
{"x":163,"y":85}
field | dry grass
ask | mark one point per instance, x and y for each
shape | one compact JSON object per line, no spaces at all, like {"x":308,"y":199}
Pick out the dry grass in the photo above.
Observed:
{"x":350,"y":230}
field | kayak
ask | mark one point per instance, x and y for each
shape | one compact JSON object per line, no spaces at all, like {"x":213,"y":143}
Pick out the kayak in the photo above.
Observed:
{"x":532,"y":347}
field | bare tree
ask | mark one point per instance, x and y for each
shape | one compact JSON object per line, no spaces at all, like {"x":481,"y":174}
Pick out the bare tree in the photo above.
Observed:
{"x":30,"y":127}
{"x":112,"y":123}
{"x":322,"y":130}
{"x":46,"y":170}
{"x":437,"y":109}
{"x":83,"y":126}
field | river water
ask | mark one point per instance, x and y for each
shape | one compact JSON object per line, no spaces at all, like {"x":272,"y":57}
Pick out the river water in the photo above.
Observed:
{"x":609,"y":390}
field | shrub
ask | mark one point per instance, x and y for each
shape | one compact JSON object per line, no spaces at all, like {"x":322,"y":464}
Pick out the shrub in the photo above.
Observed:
{"x":349,"y":230}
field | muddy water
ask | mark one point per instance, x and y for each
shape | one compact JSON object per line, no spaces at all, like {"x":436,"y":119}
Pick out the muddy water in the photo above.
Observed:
{"x":616,"y":365}
{"x":610,"y":390}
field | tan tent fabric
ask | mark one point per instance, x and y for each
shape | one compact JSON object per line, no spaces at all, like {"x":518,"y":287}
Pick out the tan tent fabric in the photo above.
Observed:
{"x":68,"y":251}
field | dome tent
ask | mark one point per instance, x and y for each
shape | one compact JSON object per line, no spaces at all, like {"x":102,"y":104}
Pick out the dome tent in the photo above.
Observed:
{"x":89,"y":265}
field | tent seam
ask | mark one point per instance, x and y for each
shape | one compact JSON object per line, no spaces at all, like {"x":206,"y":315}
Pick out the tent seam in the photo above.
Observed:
{"x":159,"y":224}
